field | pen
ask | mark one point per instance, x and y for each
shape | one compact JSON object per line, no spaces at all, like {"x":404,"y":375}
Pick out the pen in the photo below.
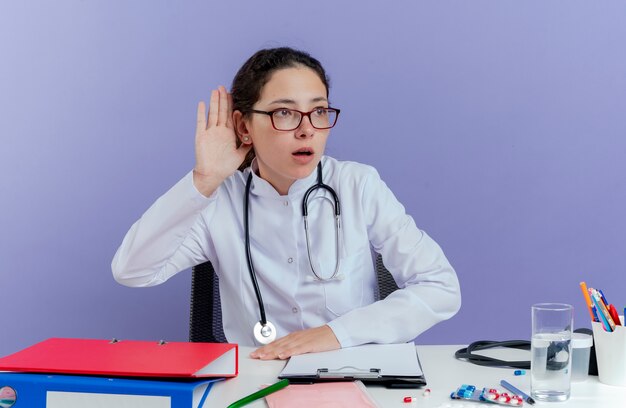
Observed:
{"x":602,"y":317}
{"x":606,"y":302}
{"x":614,"y":315}
{"x":260,"y":394}
{"x":603,"y":313}
{"x":511,"y":388}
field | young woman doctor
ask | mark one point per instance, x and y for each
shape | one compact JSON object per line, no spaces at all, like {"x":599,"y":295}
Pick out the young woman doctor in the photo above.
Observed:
{"x":318,"y":286}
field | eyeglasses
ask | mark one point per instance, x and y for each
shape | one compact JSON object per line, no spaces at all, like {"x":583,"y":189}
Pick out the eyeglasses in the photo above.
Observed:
{"x":290,"y":119}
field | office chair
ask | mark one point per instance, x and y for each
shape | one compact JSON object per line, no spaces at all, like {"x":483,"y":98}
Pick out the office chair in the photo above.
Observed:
{"x":205,"y":317}
{"x":386,"y":283}
{"x":205,"y":313}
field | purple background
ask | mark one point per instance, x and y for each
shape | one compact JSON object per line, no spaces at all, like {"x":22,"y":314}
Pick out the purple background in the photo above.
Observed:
{"x":499,"y":124}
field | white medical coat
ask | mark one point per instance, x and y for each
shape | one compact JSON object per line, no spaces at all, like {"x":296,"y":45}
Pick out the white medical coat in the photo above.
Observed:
{"x":184,"y":228}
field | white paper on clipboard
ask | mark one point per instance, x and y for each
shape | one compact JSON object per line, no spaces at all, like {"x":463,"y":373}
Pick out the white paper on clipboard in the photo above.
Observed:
{"x":399,"y":360}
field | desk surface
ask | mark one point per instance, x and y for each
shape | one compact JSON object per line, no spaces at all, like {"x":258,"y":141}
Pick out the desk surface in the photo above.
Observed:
{"x":443,"y":373}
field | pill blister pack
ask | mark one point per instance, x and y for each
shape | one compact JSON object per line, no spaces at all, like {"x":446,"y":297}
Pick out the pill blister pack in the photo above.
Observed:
{"x":471,"y":393}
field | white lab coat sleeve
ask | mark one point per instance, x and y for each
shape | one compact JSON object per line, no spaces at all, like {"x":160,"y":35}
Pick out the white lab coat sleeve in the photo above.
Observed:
{"x":166,"y":239}
{"x":429,"y":288}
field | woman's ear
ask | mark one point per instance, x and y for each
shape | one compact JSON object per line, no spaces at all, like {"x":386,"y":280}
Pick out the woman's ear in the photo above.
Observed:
{"x":241,"y":128}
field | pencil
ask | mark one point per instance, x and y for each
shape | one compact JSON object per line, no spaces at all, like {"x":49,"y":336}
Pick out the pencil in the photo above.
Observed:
{"x":583,"y":286}
{"x":260,"y":394}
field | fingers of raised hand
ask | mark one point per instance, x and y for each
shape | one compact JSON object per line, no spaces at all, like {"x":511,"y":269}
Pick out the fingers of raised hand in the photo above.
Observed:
{"x":229,"y":119}
{"x":201,"y":119}
{"x":224,"y":111}
{"x":220,"y":108}
{"x":214,"y":105}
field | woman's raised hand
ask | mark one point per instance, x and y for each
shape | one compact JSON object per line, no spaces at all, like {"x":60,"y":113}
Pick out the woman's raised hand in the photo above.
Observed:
{"x":217,"y":155}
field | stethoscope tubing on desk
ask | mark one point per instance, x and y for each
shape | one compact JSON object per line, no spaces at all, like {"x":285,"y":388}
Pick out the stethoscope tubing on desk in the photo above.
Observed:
{"x":467,"y":353}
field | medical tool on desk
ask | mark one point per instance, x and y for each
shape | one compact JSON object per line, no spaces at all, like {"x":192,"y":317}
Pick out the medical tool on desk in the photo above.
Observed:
{"x":468,"y":353}
{"x":264,"y":331}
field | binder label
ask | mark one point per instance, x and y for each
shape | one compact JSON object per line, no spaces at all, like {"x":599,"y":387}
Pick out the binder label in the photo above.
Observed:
{"x":58,"y":399}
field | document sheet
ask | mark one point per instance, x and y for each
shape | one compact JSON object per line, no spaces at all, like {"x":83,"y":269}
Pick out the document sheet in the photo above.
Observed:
{"x":390,"y":359}
{"x":333,"y":394}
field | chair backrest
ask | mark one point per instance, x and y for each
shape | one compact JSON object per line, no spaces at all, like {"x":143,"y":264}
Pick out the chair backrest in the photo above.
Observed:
{"x":386,"y":283}
{"x":205,"y":313}
{"x":205,"y":318}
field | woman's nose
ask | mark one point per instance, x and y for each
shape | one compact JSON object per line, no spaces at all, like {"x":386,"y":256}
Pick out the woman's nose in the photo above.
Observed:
{"x":305,"y":129}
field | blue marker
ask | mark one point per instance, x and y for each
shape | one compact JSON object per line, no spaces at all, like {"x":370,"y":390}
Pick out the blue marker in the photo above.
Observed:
{"x":603,"y":298}
{"x":513,"y":389}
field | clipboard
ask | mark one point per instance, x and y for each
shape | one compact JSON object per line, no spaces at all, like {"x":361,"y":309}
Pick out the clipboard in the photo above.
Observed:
{"x":391,"y":365}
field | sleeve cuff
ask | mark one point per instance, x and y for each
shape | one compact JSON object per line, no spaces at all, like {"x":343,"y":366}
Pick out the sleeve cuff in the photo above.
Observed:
{"x":193,"y":192}
{"x":341,"y":333}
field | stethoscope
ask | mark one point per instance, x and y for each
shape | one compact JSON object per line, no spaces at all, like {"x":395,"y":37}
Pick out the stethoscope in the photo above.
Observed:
{"x":264,"y":331}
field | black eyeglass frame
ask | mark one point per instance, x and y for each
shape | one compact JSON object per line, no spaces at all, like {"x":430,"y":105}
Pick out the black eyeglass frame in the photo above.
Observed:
{"x":302,"y":115}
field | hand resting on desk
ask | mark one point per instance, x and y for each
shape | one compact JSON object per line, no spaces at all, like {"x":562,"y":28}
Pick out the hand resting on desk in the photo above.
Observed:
{"x":299,"y":342}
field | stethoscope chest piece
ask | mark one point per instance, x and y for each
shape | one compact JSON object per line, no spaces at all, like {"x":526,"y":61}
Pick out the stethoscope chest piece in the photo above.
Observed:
{"x":264,"y":334}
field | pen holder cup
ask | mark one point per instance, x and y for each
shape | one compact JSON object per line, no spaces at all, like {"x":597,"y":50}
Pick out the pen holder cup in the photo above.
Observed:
{"x":610,"y":353}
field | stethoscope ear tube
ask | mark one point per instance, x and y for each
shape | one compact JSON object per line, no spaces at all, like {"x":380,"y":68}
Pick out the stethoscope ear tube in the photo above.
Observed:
{"x":305,"y":215}
{"x":320,"y":184}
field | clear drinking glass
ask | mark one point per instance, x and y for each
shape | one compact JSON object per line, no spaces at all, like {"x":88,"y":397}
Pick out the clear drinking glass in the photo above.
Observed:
{"x":551,"y":357}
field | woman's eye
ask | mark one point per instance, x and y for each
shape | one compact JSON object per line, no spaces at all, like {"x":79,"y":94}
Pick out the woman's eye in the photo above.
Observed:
{"x":320,"y":112}
{"x":282,"y":113}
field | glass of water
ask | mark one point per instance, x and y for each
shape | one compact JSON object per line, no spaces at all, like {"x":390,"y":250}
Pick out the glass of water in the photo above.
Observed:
{"x":551,"y":351}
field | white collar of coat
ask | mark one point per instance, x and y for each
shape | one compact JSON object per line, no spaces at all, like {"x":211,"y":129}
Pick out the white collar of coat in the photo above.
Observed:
{"x":261,"y":187}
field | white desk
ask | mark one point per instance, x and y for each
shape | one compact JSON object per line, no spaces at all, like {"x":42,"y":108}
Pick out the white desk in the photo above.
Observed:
{"x":443,"y":373}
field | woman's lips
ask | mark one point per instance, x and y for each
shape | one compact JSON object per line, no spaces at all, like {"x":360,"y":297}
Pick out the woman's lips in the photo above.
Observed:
{"x":304,"y":151}
{"x":303,"y":156}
